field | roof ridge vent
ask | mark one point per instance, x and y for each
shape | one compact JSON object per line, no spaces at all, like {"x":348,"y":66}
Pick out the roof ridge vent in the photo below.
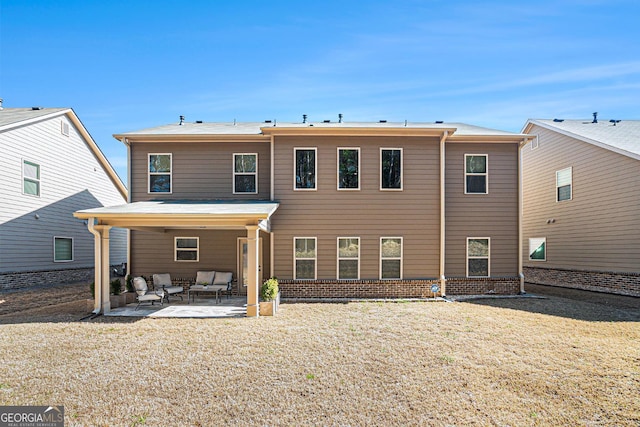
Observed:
{"x":615,"y":122}
{"x":326,"y":121}
{"x":558,"y":120}
{"x":382,"y":121}
{"x":37,"y":108}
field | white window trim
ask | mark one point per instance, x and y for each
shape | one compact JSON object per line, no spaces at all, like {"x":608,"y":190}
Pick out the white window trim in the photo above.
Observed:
{"x":315,"y":167}
{"x":72,"y":249}
{"x":338,"y":168}
{"x":488,"y":257}
{"x":338,"y":259}
{"x":570,"y":168}
{"x":315,"y":259}
{"x":39,"y":180}
{"x":255,"y":174}
{"x":401,"y":258}
{"x":175,"y":249}
{"x":486,"y":174}
{"x":544,"y":240}
{"x":149,"y":173}
{"x":64,"y":128}
{"x":401,"y":169}
{"x":535,"y":143}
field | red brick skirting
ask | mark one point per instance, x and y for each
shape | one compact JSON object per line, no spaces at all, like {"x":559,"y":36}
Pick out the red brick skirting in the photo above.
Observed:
{"x":395,"y":288}
{"x":599,"y":281}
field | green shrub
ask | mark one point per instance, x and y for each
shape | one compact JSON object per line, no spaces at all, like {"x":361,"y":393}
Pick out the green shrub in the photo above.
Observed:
{"x":269,"y":289}
{"x":92,"y":288}
{"x":116,"y":286}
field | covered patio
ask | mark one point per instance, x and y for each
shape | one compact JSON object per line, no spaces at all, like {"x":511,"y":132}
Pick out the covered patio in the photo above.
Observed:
{"x":205,"y":307}
{"x":252,"y":217}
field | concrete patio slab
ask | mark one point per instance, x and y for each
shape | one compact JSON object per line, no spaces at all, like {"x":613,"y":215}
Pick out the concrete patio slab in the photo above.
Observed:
{"x":201,"y":308}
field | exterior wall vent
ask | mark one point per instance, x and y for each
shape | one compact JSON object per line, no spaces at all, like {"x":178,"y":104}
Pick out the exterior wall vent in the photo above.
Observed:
{"x":64,"y":128}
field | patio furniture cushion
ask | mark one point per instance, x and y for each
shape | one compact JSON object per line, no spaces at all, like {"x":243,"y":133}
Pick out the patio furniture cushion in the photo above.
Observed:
{"x":205,"y":277}
{"x":144,"y":294}
{"x":222,"y":278}
{"x":163,"y":282}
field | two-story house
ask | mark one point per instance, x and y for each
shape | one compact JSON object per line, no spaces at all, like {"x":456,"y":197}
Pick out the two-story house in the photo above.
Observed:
{"x":582,"y":204}
{"x":332,"y":209}
{"x":50,"y":167}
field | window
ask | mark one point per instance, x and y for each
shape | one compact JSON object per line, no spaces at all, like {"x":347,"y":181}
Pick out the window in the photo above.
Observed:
{"x":391,"y":168}
{"x":305,"y":257}
{"x":160,"y":173}
{"x":563,"y":184}
{"x":478,"y":250}
{"x":475,"y":174}
{"x":391,"y":257}
{"x":538,"y":249}
{"x":305,"y":173}
{"x":245,"y":172}
{"x":30,"y":178}
{"x":186,"y":249}
{"x":348,"y":258}
{"x":348,"y":168}
{"x":62,"y":249}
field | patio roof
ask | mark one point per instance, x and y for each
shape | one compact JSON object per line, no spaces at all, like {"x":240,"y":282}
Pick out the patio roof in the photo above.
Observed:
{"x":166,"y":214}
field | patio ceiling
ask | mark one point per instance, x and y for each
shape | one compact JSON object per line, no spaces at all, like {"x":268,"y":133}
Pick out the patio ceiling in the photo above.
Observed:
{"x":192,"y":214}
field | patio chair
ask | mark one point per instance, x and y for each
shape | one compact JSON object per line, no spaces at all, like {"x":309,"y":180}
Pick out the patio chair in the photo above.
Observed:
{"x":144,"y":294}
{"x":163,"y":281}
{"x":224,"y":279}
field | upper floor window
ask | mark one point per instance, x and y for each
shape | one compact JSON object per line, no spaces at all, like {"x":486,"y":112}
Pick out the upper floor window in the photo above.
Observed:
{"x":305,"y":257}
{"x":349,"y":258}
{"x":160,"y":173}
{"x":245,"y":173}
{"x":30,"y":178}
{"x":563,"y":184}
{"x":475,"y":174}
{"x":348,"y":168}
{"x":391,"y":257}
{"x":478,"y":255}
{"x":391,"y":168}
{"x":187,"y":249}
{"x":305,"y":168}
{"x":62,"y":249}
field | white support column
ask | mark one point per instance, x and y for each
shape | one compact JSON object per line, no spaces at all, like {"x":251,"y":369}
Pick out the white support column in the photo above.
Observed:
{"x":97,"y":262}
{"x":105,"y":269}
{"x":253,"y":267}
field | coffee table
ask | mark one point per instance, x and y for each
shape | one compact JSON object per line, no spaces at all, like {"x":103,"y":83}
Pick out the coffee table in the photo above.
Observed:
{"x":202,"y":288}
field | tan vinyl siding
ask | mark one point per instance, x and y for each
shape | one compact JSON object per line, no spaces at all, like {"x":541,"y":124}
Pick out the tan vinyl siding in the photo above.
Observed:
{"x":367,"y":213}
{"x":218,"y":250}
{"x":599,"y":229}
{"x":200,"y":170}
{"x":493,"y":215}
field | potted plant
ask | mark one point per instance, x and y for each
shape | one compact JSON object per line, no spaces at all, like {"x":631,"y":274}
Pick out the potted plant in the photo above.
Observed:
{"x":130,"y":294}
{"x":116,"y":299}
{"x":270,"y":297}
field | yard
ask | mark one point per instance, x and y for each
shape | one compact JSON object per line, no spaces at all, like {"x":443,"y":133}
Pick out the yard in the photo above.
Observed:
{"x":516,"y":362}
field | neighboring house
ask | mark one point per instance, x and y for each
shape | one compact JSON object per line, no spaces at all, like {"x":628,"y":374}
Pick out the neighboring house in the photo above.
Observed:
{"x":332,"y":209}
{"x":582,"y":204}
{"x":50,"y":167}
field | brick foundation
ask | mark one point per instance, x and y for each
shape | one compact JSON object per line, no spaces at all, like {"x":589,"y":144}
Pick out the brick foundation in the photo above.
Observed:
{"x":395,"y":288}
{"x":28,"y":279}
{"x":598,"y":281}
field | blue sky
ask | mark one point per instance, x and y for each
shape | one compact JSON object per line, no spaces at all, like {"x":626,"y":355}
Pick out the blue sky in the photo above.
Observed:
{"x":128,"y":65}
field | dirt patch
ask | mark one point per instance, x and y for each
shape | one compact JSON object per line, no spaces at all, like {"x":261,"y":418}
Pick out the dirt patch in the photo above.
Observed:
{"x":44,"y":298}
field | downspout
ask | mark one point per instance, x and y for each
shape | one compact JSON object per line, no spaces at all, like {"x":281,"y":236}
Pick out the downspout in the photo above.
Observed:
{"x":272,"y":196}
{"x":443,"y":280}
{"x":520,"y":216}
{"x":97,"y":265}
{"x":126,"y":142}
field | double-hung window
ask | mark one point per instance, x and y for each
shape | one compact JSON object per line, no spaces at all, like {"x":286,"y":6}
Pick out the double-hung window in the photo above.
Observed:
{"x":348,"y":258}
{"x":187,"y":249}
{"x":245,"y":173}
{"x":564,"y":182}
{"x":348,"y":168}
{"x":478,"y":256}
{"x":476,"y":174}
{"x":305,"y":168}
{"x":305,"y":258}
{"x":537,"y":249}
{"x":62,"y":249}
{"x":391,"y":257}
{"x":391,"y":168}
{"x":160,"y":166}
{"x":30,"y":178}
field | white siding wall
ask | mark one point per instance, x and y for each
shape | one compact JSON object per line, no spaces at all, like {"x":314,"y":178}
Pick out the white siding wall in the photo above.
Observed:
{"x":71,"y":178}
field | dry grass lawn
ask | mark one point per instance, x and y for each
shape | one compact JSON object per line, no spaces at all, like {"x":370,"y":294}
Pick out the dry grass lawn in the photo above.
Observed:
{"x":502,"y":362}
